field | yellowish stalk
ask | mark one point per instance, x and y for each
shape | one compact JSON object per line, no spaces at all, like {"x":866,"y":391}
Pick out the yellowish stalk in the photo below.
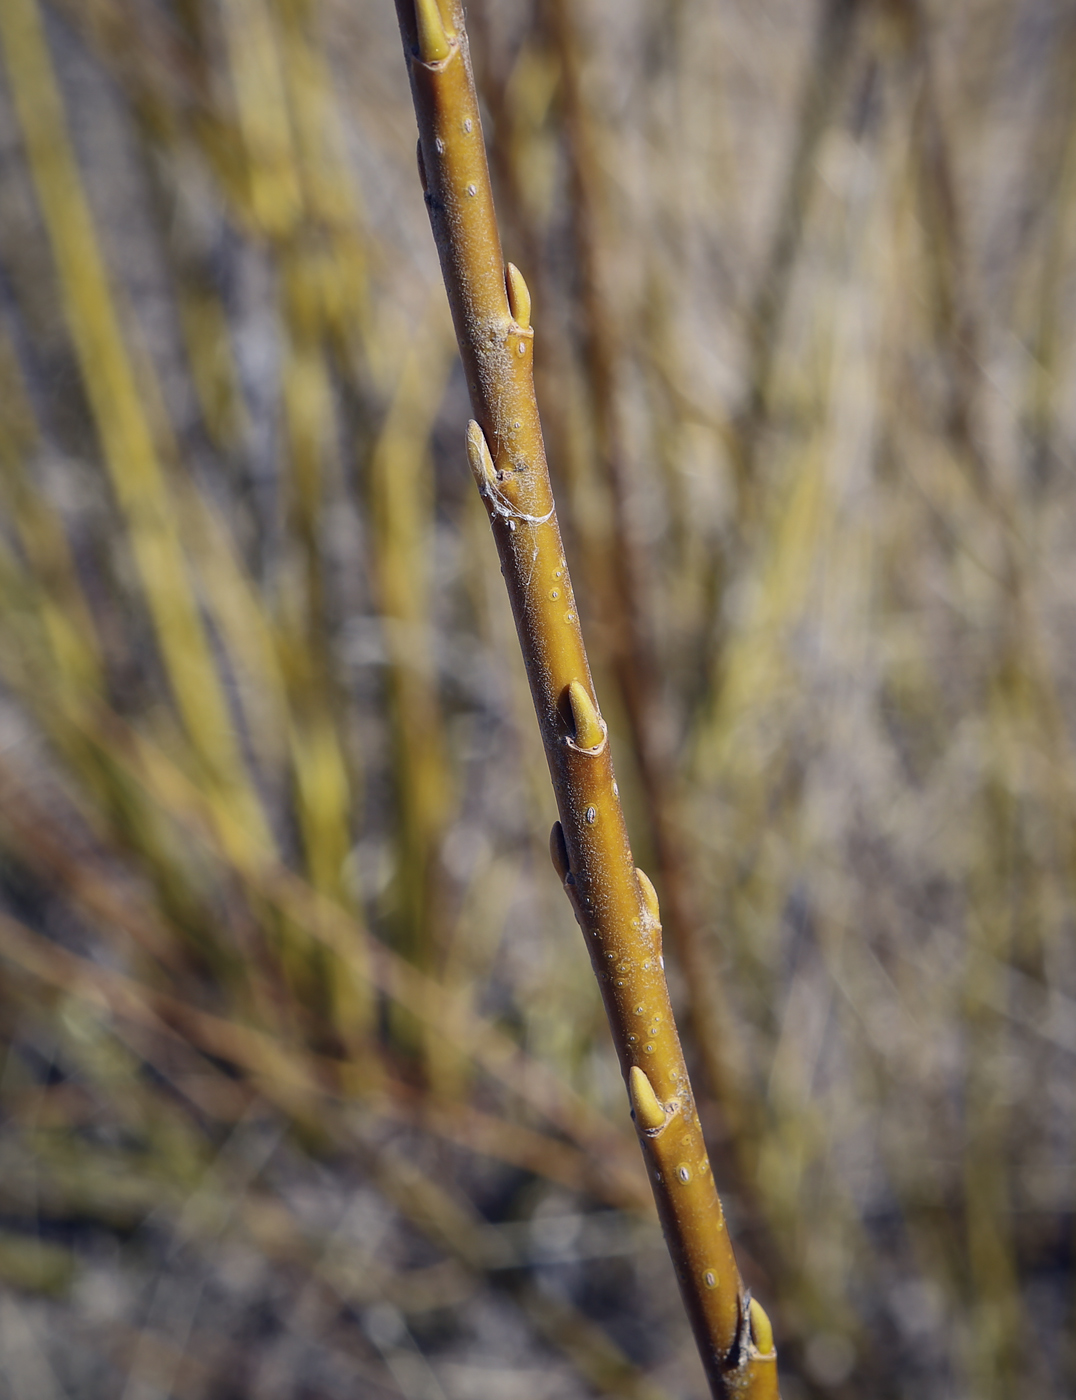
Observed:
{"x":616,"y":908}
{"x":296,"y":190}
{"x":275,"y":195}
{"x":65,"y":618}
{"x":401,"y":510}
{"x":122,"y":423}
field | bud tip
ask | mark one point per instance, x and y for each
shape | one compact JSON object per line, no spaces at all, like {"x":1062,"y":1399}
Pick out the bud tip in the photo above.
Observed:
{"x":478,"y":454}
{"x":433,"y":44}
{"x":589,"y":730}
{"x":649,"y":894}
{"x":558,"y":852}
{"x":519,"y":297}
{"x":649,"y":1114}
{"x":761,"y":1330}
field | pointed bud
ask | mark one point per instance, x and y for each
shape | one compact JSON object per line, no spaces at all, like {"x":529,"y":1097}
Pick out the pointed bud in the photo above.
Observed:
{"x":478,"y":454}
{"x":433,"y":43}
{"x":558,"y":852}
{"x":589,"y":731}
{"x":761,"y":1330}
{"x":650,"y":895}
{"x":649,"y":1114}
{"x":519,"y":297}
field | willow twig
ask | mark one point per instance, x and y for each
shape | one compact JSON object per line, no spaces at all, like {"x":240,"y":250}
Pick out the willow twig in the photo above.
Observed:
{"x":614,"y":903}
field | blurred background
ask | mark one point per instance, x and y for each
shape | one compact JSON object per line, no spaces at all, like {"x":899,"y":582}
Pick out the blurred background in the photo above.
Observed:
{"x":306,"y":1088}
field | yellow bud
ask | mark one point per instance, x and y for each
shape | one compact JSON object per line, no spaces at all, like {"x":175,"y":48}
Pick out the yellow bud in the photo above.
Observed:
{"x":478,"y":454}
{"x":589,"y":732}
{"x":649,"y":1114}
{"x":649,"y":893}
{"x":433,"y":43}
{"x":519,"y":297}
{"x":761,"y":1331}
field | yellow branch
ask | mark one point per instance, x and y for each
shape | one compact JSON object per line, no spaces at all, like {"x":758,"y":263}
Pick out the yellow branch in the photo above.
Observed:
{"x":616,"y":907}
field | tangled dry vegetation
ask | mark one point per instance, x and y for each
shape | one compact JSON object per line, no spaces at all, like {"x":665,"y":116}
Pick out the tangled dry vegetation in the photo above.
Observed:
{"x":306,"y":1087}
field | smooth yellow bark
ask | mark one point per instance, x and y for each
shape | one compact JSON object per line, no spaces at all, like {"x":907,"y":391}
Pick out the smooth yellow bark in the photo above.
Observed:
{"x":615,"y":905}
